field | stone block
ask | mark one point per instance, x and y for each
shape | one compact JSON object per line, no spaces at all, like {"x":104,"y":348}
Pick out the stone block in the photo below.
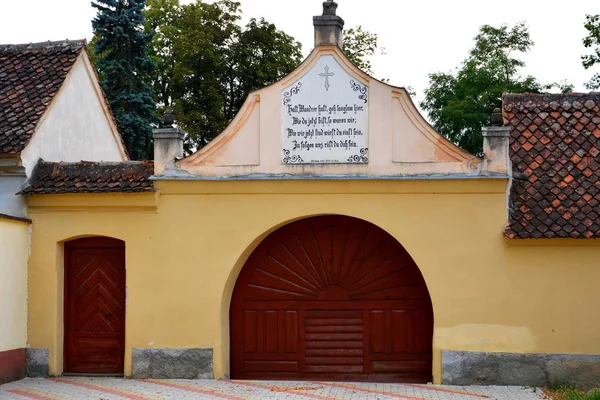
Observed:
{"x":172,"y":364}
{"x":38,"y":363}
{"x":519,"y":369}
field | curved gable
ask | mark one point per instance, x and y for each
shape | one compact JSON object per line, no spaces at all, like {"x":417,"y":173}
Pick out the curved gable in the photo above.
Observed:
{"x":329,"y":118}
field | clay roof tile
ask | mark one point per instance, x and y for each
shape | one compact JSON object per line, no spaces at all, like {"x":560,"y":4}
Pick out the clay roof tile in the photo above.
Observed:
{"x":90,"y":177}
{"x":559,"y":156}
{"x":30,"y":76}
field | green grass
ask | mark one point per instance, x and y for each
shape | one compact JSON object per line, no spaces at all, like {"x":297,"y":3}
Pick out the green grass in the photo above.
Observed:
{"x":568,"y":392}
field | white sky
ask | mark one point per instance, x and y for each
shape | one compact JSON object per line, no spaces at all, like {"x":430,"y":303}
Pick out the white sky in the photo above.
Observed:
{"x":420,"y":37}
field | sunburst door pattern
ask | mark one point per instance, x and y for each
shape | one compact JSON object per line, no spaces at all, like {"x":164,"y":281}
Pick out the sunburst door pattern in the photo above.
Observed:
{"x":95,"y":309}
{"x":335,"y":263}
{"x":375,"y":319}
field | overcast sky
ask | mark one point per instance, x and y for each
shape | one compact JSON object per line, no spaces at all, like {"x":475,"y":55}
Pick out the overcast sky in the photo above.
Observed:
{"x":419,"y":37}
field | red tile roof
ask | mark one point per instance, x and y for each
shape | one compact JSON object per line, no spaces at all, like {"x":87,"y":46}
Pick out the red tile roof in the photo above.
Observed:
{"x":555,"y":143}
{"x":30,"y":77}
{"x":90,"y":177}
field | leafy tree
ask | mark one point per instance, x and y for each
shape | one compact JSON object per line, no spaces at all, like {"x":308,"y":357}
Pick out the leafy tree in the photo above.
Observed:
{"x":359,"y":45}
{"x":259,"y":56}
{"x":460,"y":104}
{"x":121,"y":55}
{"x":592,"y":41}
{"x":207,"y":64}
{"x":161,"y":18}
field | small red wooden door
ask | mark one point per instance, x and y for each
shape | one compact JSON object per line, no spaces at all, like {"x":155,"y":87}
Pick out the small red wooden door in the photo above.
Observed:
{"x":94,"y":306}
{"x":331,"y":298}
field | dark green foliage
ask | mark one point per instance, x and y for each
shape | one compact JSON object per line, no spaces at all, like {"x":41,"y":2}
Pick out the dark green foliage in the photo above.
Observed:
{"x":91,"y":48}
{"x":460,"y":104}
{"x":359,"y":45}
{"x":592,"y":41}
{"x":207,"y":64}
{"x":256,"y":63}
{"x":121,"y":55}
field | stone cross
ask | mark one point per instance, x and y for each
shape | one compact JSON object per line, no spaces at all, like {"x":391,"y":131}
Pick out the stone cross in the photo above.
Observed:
{"x":326,"y":75}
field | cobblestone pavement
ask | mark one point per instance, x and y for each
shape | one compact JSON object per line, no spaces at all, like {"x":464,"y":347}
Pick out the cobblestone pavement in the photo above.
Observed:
{"x":117,"y":389}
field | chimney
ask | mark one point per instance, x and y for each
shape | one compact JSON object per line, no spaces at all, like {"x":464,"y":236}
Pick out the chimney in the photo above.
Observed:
{"x":168,"y":143}
{"x":329,"y":27}
{"x":496,"y":145}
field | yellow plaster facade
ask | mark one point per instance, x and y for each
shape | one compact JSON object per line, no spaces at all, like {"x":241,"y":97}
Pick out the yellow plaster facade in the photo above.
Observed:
{"x":14,"y":251}
{"x":186,"y":244}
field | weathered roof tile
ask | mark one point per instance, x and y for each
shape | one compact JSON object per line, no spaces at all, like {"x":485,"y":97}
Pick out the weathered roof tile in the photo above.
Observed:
{"x":558,"y":151}
{"x":90,"y":177}
{"x":30,"y":77}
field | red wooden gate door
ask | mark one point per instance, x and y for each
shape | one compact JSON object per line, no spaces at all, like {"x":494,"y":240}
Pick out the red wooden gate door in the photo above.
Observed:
{"x":94,"y":306}
{"x":331,"y":298}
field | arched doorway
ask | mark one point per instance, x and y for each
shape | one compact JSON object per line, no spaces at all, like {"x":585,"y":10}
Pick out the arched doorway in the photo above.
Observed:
{"x":331,"y":298}
{"x":94,"y":306}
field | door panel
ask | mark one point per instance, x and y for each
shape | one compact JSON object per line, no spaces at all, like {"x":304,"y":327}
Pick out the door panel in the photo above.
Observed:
{"x":94,"y":306}
{"x":332,"y":298}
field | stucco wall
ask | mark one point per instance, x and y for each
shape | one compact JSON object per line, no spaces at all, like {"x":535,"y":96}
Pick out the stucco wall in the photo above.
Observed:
{"x":183,"y":259}
{"x":14,"y":247}
{"x":10,"y":203}
{"x":76,"y":126}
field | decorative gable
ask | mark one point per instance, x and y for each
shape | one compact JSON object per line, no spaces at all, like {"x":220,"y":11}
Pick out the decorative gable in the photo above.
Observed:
{"x":328,"y":118}
{"x":325,"y":117}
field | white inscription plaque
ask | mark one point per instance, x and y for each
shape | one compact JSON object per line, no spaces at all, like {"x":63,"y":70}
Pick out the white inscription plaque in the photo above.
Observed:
{"x":326,"y":117}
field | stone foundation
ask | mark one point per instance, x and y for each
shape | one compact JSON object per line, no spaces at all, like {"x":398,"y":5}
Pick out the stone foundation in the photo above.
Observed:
{"x":38,"y":363}
{"x":12,"y":365}
{"x":172,"y":364}
{"x":517,"y":369}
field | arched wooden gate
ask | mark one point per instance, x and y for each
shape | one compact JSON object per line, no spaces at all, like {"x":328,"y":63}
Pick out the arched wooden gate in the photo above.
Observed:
{"x":331,"y":298}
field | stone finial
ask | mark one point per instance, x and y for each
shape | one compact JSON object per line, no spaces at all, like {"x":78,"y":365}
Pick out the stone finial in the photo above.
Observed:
{"x":168,"y":118}
{"x":497,"y":118}
{"x":330,"y":7}
{"x":329,"y":27}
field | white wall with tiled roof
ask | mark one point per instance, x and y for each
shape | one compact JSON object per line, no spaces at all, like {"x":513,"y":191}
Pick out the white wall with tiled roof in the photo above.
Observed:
{"x":77,"y":125}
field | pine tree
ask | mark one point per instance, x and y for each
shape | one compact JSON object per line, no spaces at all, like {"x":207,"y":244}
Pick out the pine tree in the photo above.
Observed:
{"x":126,"y":70}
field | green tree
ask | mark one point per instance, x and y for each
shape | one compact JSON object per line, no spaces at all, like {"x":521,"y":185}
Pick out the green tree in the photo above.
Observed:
{"x":592,"y":41}
{"x":121,"y":55}
{"x":161,"y":20}
{"x":460,"y":104}
{"x":259,"y":56}
{"x":359,"y":46}
{"x":207,"y":64}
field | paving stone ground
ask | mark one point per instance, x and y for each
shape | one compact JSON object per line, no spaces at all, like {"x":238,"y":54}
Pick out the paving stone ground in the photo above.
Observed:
{"x":117,"y":389}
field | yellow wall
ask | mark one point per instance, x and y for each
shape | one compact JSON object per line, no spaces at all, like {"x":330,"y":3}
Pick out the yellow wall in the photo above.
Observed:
{"x":183,"y":257}
{"x":14,"y":247}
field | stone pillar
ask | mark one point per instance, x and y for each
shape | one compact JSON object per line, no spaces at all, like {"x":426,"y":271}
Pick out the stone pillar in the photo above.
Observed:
{"x":496,"y":146}
{"x":329,"y":27}
{"x":168,"y":143}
